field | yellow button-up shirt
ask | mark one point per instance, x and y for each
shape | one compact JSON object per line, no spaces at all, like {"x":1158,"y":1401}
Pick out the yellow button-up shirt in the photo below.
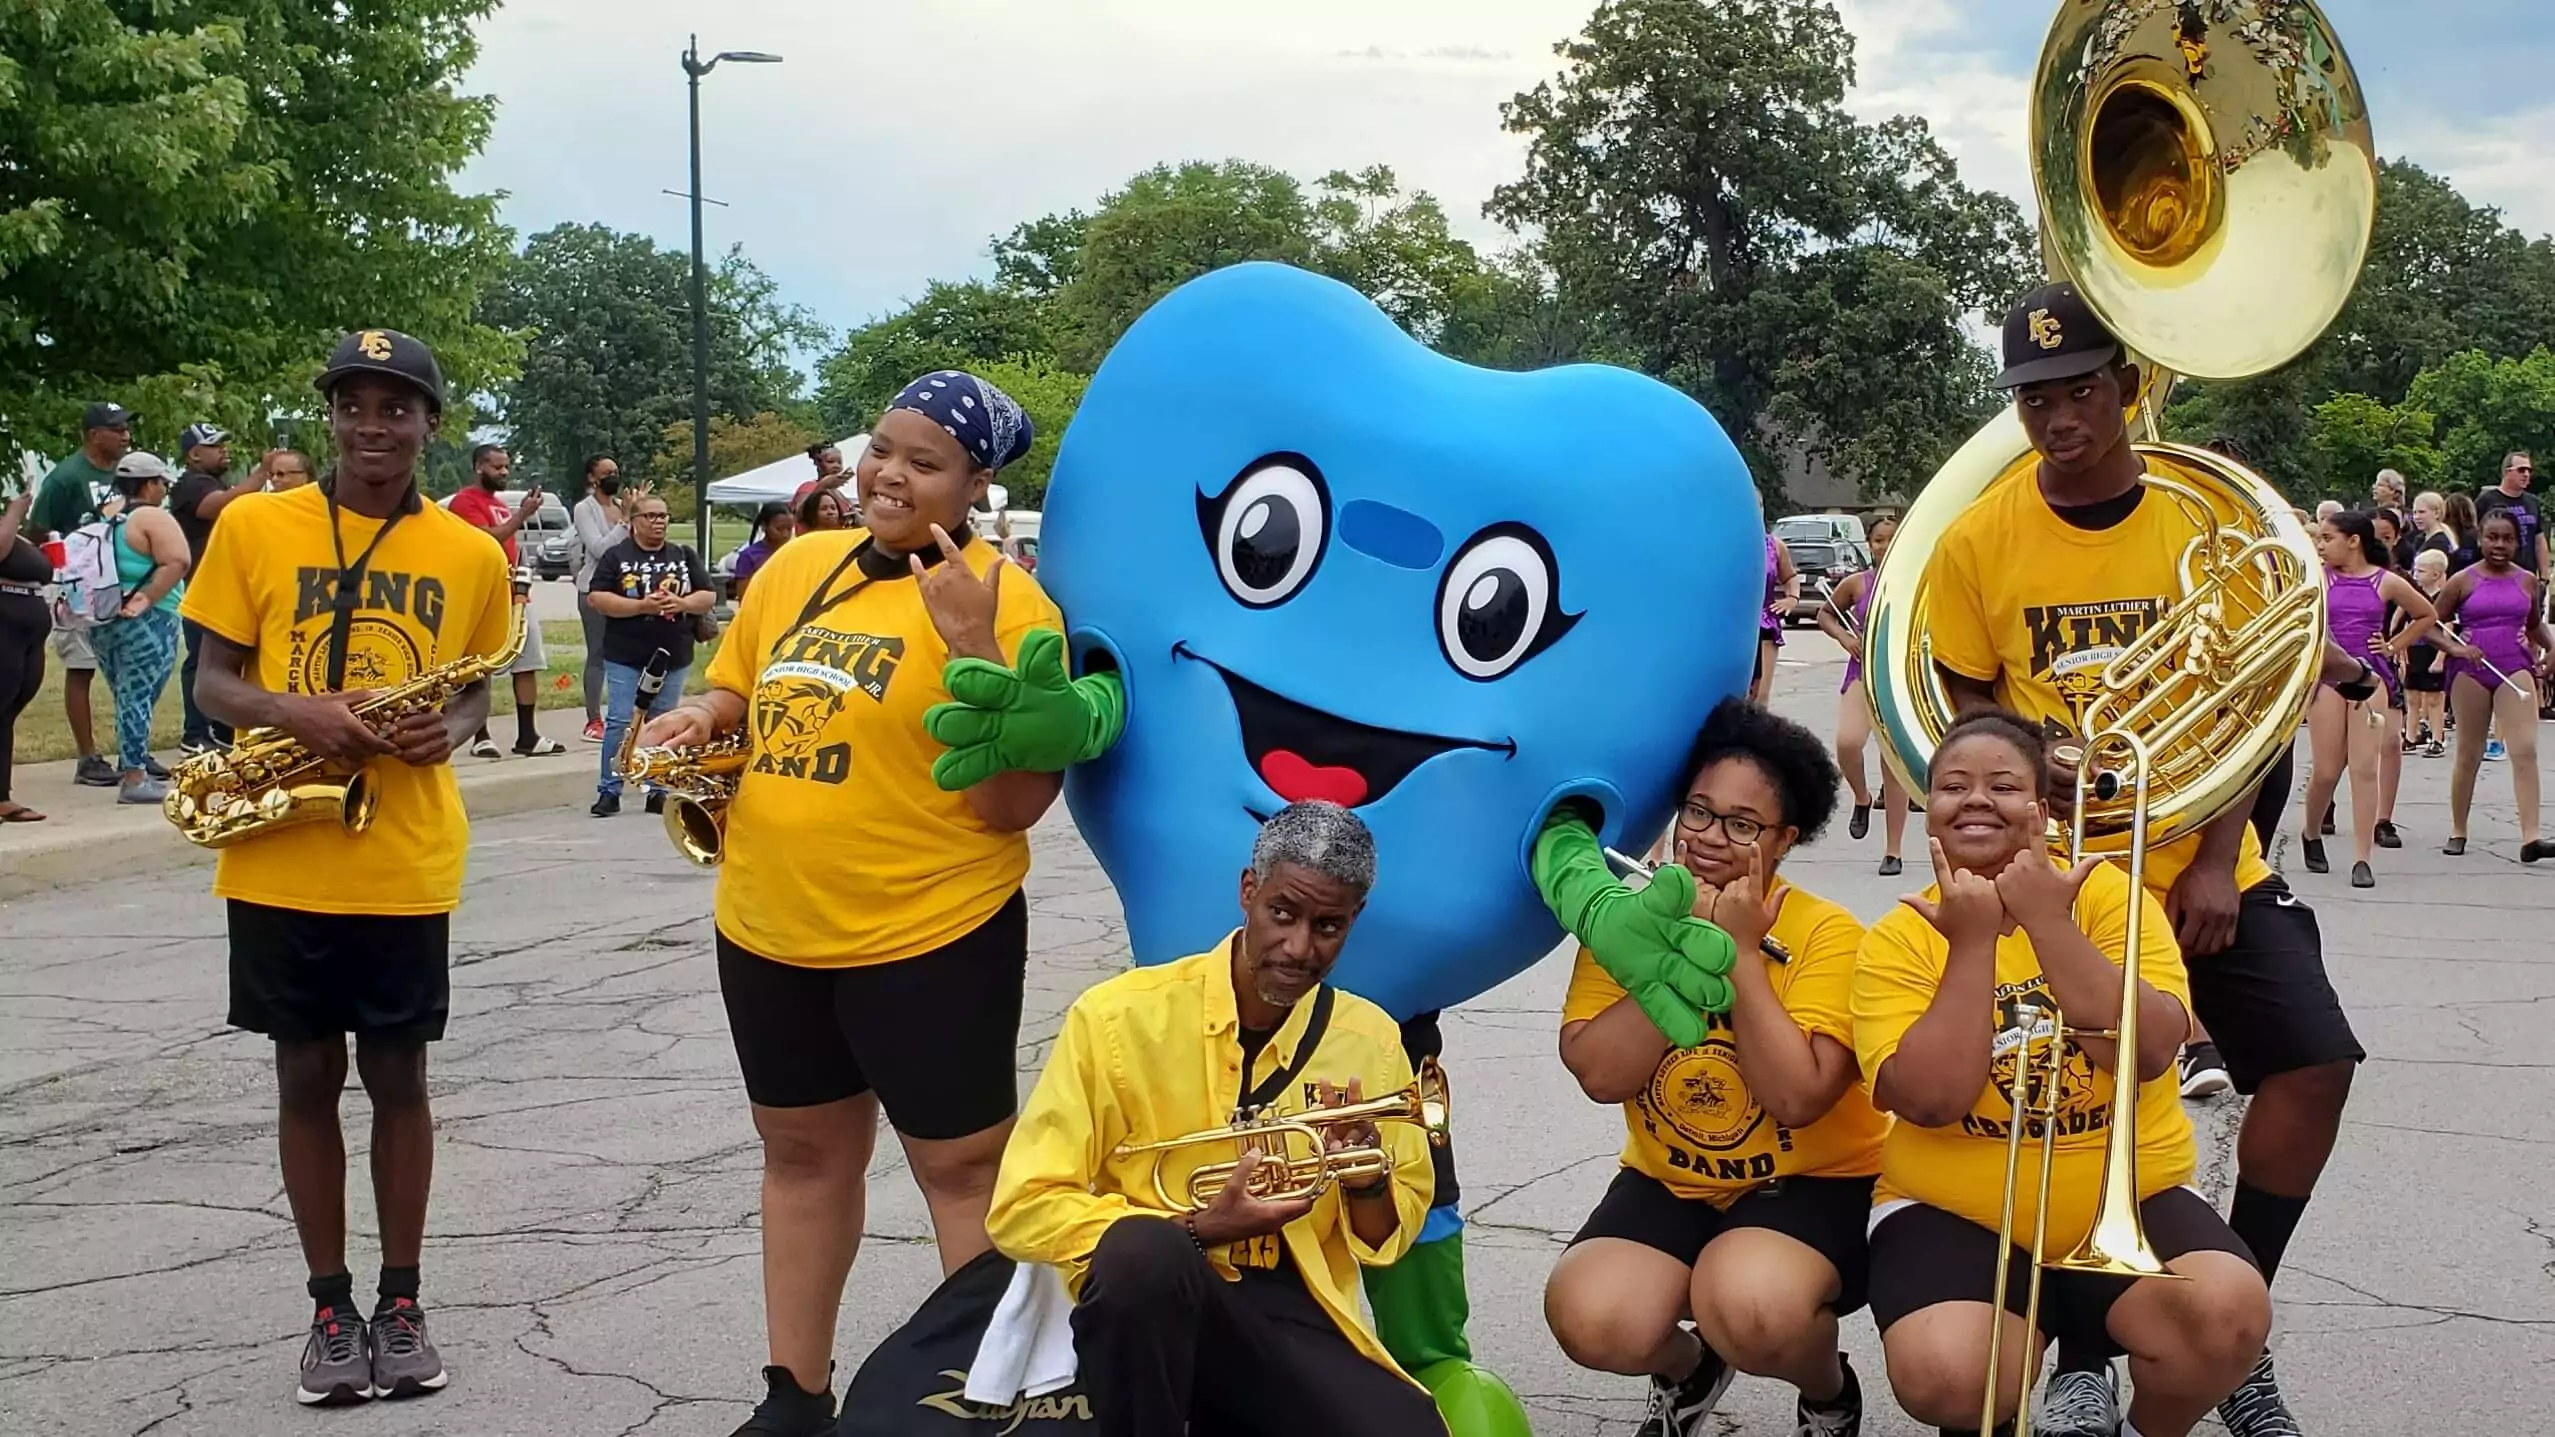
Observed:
{"x":1155,"y":1053}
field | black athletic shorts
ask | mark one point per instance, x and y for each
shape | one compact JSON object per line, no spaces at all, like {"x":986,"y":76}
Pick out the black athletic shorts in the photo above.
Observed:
{"x":298,"y":977}
{"x":1826,"y":1215}
{"x":1923,"y":1255}
{"x":936,"y":1036}
{"x":2265,"y":999}
{"x":2424,"y":670}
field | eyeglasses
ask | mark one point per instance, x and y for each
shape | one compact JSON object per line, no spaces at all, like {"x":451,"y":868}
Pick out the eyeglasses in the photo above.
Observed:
{"x":1738,"y":828}
{"x":654,"y":518}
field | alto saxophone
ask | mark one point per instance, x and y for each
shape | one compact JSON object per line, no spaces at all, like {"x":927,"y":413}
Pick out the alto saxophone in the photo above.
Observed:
{"x":269,"y":780}
{"x":699,"y":779}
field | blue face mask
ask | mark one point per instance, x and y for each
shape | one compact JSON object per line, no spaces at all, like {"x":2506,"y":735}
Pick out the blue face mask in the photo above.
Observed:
{"x":1332,"y":564}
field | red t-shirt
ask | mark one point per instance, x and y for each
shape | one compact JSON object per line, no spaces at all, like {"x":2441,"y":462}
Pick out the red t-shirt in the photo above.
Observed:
{"x":485,"y":510}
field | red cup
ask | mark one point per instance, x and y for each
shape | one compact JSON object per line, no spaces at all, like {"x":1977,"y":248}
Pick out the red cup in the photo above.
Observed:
{"x":54,"y":553}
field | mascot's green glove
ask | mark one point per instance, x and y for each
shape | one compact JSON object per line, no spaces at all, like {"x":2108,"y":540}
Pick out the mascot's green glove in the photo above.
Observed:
{"x":1027,"y":718}
{"x":1675,"y":965}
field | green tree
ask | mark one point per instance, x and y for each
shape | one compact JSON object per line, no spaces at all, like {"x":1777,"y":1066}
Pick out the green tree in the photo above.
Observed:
{"x":2355,"y":436}
{"x":953,"y":326}
{"x":2487,"y":408}
{"x":1050,"y":394}
{"x":1165,"y":228}
{"x":1707,"y":201}
{"x":735,"y":446}
{"x":605,"y":320}
{"x":2443,"y":275}
{"x":198,"y":196}
{"x":1393,"y":248}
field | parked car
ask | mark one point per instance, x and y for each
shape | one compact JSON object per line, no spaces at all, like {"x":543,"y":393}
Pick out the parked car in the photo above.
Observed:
{"x":547,"y":542}
{"x":1824,"y":564}
{"x":1838,"y":527}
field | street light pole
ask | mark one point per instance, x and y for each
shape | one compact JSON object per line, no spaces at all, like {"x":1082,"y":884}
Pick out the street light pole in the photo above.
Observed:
{"x":694,"y":67}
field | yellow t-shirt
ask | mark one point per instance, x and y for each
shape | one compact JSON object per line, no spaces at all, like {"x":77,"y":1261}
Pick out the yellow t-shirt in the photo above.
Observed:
{"x":841,"y":851}
{"x":2020,"y":598}
{"x":436,"y":591}
{"x":1961,"y":1168}
{"x":1697,"y":1128}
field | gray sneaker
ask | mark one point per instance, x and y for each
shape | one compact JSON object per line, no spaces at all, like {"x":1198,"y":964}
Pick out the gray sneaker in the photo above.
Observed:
{"x":148,"y":790}
{"x":405,"y":1364}
{"x":337,"y":1363}
{"x":2080,"y":1403}
{"x":95,"y":772}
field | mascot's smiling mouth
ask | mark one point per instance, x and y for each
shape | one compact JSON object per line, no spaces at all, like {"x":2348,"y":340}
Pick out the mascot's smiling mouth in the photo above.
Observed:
{"x":1303,"y":753}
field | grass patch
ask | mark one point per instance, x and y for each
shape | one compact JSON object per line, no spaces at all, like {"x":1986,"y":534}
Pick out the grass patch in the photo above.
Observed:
{"x":44,"y":733}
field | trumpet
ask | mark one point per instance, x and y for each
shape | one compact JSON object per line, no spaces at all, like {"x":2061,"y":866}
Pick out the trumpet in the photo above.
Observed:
{"x":1285,"y":1173}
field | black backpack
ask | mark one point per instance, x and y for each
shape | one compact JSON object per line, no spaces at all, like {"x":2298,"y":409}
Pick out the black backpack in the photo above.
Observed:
{"x":914,"y":1383}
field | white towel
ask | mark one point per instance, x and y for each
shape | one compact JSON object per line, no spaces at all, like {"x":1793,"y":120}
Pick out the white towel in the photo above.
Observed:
{"x":1028,"y":1347}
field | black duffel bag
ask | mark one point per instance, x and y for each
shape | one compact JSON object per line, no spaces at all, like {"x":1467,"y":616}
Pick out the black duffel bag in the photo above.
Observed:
{"x":915,"y":1383}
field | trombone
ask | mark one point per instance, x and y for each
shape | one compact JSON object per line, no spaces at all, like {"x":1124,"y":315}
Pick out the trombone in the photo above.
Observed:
{"x":1296,"y":1159}
{"x":2208,"y":181}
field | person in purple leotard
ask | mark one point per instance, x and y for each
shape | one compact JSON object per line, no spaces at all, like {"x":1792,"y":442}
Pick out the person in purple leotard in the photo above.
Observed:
{"x":1854,"y":715}
{"x":1782,"y":592}
{"x":2358,"y":588}
{"x":2494,"y":677}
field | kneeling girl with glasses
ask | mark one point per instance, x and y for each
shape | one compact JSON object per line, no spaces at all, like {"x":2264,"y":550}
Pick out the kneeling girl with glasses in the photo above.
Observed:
{"x":1751,"y":1144}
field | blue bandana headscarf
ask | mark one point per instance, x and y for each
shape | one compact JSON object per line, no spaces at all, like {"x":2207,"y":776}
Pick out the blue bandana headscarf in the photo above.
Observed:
{"x":986,"y":422}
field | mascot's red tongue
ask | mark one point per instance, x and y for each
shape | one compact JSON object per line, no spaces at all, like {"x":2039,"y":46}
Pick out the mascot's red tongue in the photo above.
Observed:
{"x":1295,"y":780}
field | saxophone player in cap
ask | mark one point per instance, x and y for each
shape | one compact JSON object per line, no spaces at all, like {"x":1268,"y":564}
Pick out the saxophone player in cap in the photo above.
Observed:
{"x":314,"y":597}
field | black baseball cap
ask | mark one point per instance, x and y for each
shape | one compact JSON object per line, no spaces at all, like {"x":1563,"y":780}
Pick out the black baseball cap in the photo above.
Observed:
{"x":389,"y":352}
{"x":2051,"y":333}
{"x":105,"y":416}
{"x":198,"y":435}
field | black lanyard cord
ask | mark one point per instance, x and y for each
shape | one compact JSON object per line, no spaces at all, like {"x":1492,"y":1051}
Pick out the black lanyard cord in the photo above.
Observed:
{"x":350,"y":580}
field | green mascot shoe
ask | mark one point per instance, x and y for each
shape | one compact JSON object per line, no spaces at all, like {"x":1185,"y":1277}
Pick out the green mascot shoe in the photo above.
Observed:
{"x":1420,"y":1312}
{"x":1474,"y":1401}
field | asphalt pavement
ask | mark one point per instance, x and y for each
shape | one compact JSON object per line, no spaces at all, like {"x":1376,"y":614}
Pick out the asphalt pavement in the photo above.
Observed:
{"x":591,"y":1265}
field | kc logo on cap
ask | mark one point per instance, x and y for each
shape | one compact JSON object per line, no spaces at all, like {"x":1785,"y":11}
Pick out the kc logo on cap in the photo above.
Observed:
{"x":2046,"y":331}
{"x":375,"y":344}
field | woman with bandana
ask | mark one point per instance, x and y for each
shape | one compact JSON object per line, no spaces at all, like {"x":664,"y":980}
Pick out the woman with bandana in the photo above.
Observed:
{"x":872,"y":934}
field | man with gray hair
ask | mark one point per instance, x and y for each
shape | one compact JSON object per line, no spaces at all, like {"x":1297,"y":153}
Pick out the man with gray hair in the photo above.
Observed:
{"x":1241,"y":1309}
{"x":2387,"y":491}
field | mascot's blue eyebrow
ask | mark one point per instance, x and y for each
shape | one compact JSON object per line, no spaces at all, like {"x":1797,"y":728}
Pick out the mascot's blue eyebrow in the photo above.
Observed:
{"x":1396,"y":536}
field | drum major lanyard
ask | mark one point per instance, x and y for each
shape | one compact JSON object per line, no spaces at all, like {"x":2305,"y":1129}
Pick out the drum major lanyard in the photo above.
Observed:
{"x":1315,"y":1024}
{"x":350,"y":579}
{"x":825,"y":598}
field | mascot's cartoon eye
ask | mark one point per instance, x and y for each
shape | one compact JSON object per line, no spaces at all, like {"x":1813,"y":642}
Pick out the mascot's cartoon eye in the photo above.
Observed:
{"x":1498,"y":605}
{"x":1267,"y":529}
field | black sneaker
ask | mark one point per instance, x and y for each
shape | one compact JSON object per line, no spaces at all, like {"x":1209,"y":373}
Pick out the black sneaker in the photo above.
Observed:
{"x":787,"y":1411}
{"x":96,"y":772}
{"x":656,"y":803}
{"x":1861,"y":823}
{"x":1841,"y":1417}
{"x":2454,"y":848}
{"x":405,"y":1364}
{"x":2435,"y":749}
{"x":151,"y":768}
{"x":2080,"y":1402}
{"x":2254,"y":1409}
{"x":2362,"y":877}
{"x":2535,"y":849}
{"x":2314,"y":848}
{"x":605,"y":805}
{"x":1681,"y":1409}
{"x":2387,"y":836}
{"x":1891,"y":867}
{"x":2204,"y":1073}
{"x":337,"y":1362}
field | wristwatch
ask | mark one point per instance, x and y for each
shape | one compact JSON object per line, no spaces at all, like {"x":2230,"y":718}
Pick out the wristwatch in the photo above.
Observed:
{"x":2362,"y":686}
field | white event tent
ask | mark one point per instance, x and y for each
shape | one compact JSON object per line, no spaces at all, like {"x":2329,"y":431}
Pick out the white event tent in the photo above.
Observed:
{"x":777,"y":480}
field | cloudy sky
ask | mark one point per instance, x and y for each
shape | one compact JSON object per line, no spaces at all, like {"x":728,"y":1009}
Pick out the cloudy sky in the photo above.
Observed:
{"x":899,"y":135}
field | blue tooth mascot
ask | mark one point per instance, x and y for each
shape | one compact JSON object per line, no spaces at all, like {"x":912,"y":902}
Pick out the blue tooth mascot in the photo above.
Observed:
{"x":1302,"y":556}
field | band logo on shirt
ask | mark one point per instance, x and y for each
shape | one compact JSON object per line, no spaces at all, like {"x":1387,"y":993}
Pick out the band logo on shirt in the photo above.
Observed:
{"x":2073,"y":643}
{"x":1699,"y":1094}
{"x":2084,"y":1105}
{"x":379,"y":652}
{"x":810,"y":678}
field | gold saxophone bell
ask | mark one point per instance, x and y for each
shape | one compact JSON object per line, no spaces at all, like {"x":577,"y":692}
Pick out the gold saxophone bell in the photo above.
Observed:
{"x":2208,"y":181}
{"x":699,"y":780}
{"x":1295,"y":1161}
{"x":266,"y":781}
